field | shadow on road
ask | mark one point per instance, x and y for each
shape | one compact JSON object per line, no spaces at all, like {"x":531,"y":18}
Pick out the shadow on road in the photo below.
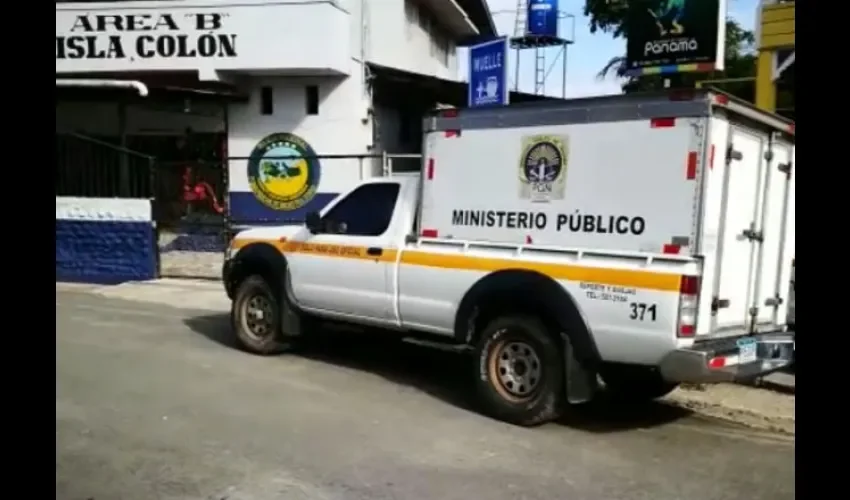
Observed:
{"x":441,"y":374}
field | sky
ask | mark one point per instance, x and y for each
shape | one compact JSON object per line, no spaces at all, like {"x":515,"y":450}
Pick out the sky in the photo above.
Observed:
{"x":585,"y":57}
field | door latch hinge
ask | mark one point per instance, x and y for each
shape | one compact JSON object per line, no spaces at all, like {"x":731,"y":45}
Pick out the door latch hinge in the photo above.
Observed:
{"x":753,"y":235}
{"x":718,"y":303}
{"x":773,"y":301}
{"x":731,"y":154}
{"x":785,"y":168}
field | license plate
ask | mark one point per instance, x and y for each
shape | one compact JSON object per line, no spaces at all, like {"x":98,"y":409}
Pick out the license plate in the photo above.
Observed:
{"x":746,"y":351}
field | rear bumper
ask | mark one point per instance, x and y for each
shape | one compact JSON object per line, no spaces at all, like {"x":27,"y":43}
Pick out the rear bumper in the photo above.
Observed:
{"x":715,"y":360}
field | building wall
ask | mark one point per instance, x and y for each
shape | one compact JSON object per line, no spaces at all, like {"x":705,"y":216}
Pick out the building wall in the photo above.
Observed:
{"x":284,"y":47}
{"x":293,"y":36}
{"x":340,"y":128}
{"x":101,"y":240}
{"x":405,"y":35}
{"x":102,"y":118}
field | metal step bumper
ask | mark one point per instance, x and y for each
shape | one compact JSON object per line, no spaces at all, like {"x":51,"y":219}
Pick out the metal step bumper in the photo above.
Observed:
{"x":719,"y":360}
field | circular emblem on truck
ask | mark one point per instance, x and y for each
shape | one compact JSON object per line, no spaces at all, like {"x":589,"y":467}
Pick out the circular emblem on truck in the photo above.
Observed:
{"x":283,"y":172}
{"x":543,"y":168}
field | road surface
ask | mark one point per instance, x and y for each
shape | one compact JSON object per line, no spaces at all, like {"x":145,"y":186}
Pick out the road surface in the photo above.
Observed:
{"x":152,"y":403}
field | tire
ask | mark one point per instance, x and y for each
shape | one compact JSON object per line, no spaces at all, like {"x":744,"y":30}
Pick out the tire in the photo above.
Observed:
{"x":635,"y":384}
{"x":499,"y":381}
{"x":259,"y":339}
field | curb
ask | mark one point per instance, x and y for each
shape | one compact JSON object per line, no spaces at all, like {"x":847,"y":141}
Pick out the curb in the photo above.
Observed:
{"x":211,"y":284}
{"x":65,"y":286}
{"x":774,"y":386}
{"x":737,"y":408}
{"x":177,"y":293}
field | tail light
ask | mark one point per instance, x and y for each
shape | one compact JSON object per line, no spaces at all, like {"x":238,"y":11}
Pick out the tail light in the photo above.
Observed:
{"x":688,"y":295}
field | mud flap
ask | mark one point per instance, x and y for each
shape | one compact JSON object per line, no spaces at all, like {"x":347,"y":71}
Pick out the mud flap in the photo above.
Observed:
{"x":580,"y":384}
{"x":290,"y":318}
{"x":290,"y":321}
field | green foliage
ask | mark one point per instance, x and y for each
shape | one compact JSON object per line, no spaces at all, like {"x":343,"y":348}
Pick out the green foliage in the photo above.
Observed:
{"x":270,"y":169}
{"x":278,"y":169}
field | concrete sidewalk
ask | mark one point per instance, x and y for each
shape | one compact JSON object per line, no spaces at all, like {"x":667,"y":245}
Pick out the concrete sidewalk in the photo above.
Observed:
{"x":780,"y":382}
{"x":205,"y":295}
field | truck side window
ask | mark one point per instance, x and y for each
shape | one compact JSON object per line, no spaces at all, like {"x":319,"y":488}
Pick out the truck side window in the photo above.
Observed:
{"x":366,"y":211}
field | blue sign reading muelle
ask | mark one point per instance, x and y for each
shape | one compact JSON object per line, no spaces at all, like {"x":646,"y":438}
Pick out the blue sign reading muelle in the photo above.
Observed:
{"x":488,"y":74}
{"x":542,"y":18}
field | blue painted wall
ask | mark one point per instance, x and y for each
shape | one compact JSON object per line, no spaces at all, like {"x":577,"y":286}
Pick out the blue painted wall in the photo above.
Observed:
{"x":246,"y":209}
{"x":107,"y":241}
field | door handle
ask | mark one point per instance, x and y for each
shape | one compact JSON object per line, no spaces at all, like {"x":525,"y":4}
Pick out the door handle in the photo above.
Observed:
{"x":374,"y":251}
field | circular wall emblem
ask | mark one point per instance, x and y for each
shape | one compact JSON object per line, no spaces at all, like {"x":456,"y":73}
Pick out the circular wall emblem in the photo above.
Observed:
{"x":283,"y":172}
{"x":543,"y":162}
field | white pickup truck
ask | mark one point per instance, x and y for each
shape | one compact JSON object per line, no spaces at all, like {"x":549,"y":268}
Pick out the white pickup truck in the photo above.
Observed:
{"x":641,"y":240}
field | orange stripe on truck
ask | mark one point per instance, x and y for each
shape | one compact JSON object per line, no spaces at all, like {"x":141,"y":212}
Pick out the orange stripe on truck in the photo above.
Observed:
{"x":608,"y":276}
{"x":618,"y":277}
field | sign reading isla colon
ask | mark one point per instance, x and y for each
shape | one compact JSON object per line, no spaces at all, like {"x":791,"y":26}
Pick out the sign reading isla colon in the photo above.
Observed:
{"x":147,"y":36}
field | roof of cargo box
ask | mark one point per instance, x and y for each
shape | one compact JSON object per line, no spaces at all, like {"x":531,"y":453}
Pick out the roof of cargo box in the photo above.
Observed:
{"x":608,"y":108}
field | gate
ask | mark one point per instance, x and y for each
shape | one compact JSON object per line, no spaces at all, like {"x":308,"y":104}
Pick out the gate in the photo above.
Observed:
{"x":189,"y":206}
{"x":92,"y":167}
{"x":104,"y":230}
{"x":188,"y":199}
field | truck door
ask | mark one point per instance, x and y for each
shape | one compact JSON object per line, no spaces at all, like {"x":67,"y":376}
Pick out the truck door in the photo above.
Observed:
{"x":776,"y":231}
{"x":741,"y":209}
{"x":753,"y":235}
{"x":347,"y":268}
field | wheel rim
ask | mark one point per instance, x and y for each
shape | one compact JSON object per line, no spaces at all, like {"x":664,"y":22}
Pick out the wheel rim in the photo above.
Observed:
{"x":258,"y":317}
{"x":516,"y":370}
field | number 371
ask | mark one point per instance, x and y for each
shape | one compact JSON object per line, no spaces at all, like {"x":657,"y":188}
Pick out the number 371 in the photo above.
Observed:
{"x":642,"y":312}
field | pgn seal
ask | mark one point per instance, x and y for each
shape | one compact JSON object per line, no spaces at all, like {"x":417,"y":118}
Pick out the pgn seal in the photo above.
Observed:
{"x":283,"y":172}
{"x":543,"y":168}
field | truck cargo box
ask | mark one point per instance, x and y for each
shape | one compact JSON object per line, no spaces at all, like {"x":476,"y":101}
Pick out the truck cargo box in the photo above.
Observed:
{"x":698,"y":175}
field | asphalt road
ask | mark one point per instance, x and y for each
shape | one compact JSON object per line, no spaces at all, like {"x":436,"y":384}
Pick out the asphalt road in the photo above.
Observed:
{"x":153,"y":403}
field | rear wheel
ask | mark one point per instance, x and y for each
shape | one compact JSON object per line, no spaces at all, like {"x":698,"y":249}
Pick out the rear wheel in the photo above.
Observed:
{"x":635,"y":384}
{"x":520,"y":371}
{"x":255,"y":317}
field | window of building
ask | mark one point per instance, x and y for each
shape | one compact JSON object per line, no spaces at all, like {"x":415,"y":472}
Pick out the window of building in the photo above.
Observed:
{"x":440,"y":46}
{"x":266,"y":101}
{"x":311,"y":97}
{"x":425,"y":20}
{"x":411,"y":16}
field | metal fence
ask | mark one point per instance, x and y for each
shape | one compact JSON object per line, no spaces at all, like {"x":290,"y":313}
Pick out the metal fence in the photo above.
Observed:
{"x":283,"y":189}
{"x":95,"y":167}
{"x":196,"y":213}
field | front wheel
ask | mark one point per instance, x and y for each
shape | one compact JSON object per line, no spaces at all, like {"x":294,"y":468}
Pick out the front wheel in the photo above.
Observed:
{"x":255,"y":317}
{"x":520,"y":371}
{"x":635,"y":384}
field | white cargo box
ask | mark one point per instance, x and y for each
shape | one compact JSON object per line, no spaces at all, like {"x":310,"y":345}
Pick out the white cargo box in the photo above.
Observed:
{"x":699,"y":175}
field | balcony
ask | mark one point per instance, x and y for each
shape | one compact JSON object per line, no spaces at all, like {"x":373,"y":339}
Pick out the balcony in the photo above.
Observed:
{"x":298,"y":37}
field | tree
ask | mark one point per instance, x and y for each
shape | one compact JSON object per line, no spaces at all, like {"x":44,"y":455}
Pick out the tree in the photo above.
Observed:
{"x":609,"y":16}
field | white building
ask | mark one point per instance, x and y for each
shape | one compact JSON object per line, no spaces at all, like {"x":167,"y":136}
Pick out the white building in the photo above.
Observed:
{"x":324,"y":83}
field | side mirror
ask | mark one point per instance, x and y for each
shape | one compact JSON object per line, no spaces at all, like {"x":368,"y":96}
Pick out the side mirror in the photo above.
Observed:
{"x":313,"y":222}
